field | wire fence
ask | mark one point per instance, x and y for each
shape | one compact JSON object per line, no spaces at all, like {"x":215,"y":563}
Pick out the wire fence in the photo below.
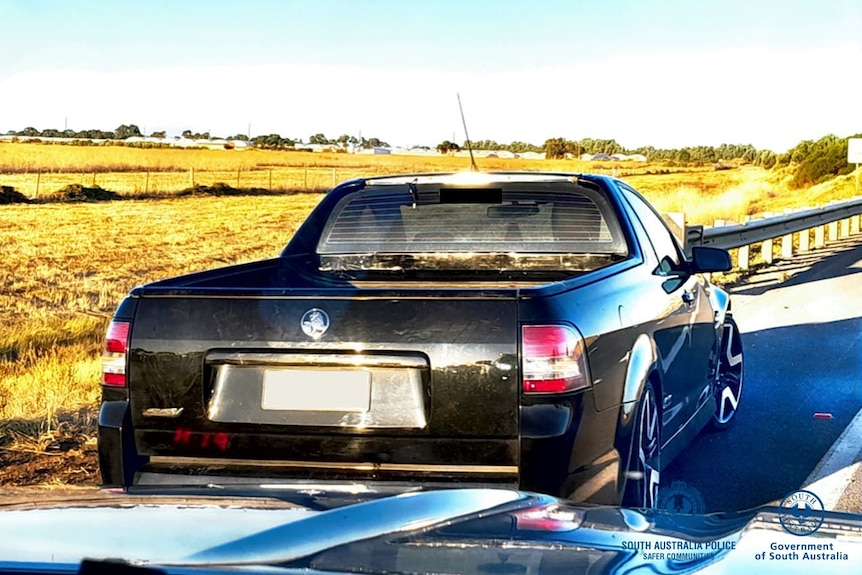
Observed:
{"x":42,"y":185}
{"x":45,"y":184}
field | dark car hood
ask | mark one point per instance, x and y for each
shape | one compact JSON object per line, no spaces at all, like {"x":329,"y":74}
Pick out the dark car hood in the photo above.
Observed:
{"x":444,"y":531}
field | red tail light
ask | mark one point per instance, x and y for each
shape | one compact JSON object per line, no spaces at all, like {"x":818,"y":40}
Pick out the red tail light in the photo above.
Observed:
{"x":114,"y":356}
{"x":548,"y":518}
{"x":553,"y":359}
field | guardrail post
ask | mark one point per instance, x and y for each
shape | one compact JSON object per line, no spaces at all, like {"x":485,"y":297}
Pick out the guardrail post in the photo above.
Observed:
{"x":766,"y":246}
{"x":833,"y":231}
{"x":854,"y":224}
{"x":845,"y":228}
{"x":787,"y":243}
{"x":804,"y":240}
{"x":743,"y":254}
{"x":693,"y":237}
{"x":820,"y":236}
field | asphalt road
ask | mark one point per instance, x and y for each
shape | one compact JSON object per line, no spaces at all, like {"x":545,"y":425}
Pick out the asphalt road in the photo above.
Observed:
{"x":801,"y":323}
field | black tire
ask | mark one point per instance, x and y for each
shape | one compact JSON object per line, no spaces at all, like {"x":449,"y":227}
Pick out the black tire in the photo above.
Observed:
{"x":727,"y":387}
{"x":643,"y":476}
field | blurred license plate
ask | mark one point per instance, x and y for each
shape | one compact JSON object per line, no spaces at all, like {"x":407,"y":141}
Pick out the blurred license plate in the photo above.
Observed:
{"x":316,"y":390}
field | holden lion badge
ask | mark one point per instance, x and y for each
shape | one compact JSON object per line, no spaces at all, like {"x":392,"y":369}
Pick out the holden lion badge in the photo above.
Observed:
{"x":314,"y":323}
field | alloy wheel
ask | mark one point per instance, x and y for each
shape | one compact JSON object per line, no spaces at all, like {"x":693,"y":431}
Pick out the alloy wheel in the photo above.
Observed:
{"x":728,"y":383}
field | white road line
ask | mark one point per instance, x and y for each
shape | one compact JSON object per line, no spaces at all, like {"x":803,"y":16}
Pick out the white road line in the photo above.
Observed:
{"x":831,"y":476}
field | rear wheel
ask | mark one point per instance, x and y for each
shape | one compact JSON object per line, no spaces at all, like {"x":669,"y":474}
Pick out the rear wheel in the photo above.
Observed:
{"x":643,"y":479}
{"x":728,"y":381}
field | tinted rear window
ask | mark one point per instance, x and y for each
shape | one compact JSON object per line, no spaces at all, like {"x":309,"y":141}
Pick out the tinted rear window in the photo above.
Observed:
{"x":395,"y":220}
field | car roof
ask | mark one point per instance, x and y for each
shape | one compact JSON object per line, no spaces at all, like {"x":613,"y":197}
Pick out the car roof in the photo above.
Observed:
{"x":477,"y":178}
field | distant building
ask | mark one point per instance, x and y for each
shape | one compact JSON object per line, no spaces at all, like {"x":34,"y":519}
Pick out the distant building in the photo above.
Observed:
{"x":376,"y":150}
{"x":533,"y":155}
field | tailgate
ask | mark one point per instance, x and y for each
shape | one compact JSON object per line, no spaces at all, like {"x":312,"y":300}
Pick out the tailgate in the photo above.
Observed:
{"x":393,"y":388}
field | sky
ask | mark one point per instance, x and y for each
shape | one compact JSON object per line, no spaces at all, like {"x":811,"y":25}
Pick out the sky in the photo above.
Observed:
{"x":666,"y":73}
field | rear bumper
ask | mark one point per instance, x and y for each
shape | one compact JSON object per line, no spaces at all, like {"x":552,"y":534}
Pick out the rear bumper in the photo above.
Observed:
{"x":567,"y":456}
{"x":118,"y":458}
{"x":162,"y":470}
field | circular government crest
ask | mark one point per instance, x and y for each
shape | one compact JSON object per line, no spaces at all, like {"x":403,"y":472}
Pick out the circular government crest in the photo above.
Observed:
{"x":680,"y":498}
{"x":803,"y":513}
{"x":314,"y":322}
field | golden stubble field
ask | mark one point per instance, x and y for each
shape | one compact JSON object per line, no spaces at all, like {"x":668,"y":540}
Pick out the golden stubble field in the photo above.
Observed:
{"x":65,"y":266}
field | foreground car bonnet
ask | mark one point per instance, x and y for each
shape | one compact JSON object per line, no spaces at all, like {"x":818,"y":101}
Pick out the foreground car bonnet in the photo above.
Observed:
{"x":486,"y":527}
{"x":231,"y":531}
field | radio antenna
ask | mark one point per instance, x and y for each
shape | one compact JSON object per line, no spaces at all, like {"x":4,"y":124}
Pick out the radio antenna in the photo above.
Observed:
{"x":467,"y":136}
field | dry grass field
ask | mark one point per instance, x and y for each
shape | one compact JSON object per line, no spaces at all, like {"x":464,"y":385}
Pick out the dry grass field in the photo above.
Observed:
{"x":65,"y":266}
{"x":39,"y":170}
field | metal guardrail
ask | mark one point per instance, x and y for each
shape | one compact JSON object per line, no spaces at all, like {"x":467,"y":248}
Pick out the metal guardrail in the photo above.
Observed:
{"x":782,"y":226}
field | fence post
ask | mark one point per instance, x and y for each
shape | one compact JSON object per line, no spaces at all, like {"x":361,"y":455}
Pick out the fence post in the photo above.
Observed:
{"x":305,"y":185}
{"x":94,"y":179}
{"x":38,"y":180}
{"x":192,"y":176}
{"x":270,"y":180}
{"x":147,"y":183}
{"x":237,"y":178}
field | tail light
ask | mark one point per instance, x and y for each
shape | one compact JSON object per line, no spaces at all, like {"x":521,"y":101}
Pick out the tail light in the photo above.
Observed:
{"x":114,"y":356}
{"x":548,"y":518}
{"x":553,"y":359}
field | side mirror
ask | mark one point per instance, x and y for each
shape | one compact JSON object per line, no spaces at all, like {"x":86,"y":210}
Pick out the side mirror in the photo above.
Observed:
{"x":705,"y":259}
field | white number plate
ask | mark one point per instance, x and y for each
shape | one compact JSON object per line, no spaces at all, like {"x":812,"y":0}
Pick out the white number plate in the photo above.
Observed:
{"x":316,"y":390}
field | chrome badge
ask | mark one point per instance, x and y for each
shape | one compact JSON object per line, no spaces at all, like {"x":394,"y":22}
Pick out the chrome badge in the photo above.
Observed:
{"x":314,"y":322}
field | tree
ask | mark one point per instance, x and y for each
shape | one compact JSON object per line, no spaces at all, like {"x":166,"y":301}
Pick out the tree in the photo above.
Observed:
{"x":158,"y":134}
{"x":555,"y":148}
{"x":446,"y":147}
{"x":819,"y":161}
{"x":241,"y":137}
{"x":767,"y":159}
{"x":188,"y":134}
{"x":318,"y":139}
{"x":127,"y":131}
{"x":374,"y":143}
{"x":272,"y":142}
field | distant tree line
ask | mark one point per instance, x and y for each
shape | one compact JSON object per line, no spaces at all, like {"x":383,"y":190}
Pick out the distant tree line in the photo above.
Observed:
{"x":121,"y":133}
{"x":269,"y":141}
{"x":811,"y":161}
{"x":818,"y":161}
{"x":514,"y":147}
{"x":560,"y":147}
